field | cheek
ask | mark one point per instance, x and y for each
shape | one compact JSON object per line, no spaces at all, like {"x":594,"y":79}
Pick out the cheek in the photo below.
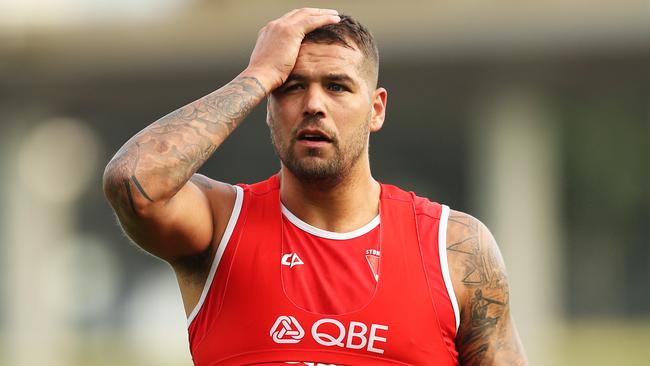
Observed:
{"x":351,"y":117}
{"x":282,"y":111}
{"x":274,"y":115}
{"x":355,"y":133}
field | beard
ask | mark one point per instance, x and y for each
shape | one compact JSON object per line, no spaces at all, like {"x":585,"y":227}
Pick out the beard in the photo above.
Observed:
{"x":315,"y":168}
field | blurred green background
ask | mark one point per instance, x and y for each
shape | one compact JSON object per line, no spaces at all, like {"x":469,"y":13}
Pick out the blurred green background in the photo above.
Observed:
{"x":534,"y":117}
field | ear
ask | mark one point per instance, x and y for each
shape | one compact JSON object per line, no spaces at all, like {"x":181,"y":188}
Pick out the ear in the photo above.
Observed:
{"x":378,"y":109}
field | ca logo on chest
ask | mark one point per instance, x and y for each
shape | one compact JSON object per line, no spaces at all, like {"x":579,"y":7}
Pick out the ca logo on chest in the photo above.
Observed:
{"x":291,"y":260}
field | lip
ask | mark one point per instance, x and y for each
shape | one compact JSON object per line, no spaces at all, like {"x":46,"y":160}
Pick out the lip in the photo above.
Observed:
{"x":327,"y":140}
{"x":313,"y":144}
{"x":313,"y":131}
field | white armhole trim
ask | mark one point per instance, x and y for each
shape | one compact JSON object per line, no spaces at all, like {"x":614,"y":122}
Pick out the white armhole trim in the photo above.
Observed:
{"x":220,"y":250}
{"x":444,"y":265}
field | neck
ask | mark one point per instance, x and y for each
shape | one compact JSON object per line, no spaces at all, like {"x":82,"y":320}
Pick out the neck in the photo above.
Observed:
{"x":342,"y":207}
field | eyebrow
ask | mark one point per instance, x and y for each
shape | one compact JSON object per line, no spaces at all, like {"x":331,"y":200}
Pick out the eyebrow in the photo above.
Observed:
{"x":329,"y":77}
{"x":339,"y":77}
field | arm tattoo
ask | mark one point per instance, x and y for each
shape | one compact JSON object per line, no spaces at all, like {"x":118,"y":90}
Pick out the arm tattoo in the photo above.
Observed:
{"x":201,"y":181}
{"x":139,"y":186}
{"x":127,"y":189}
{"x":486,"y":336}
{"x":160,"y":159}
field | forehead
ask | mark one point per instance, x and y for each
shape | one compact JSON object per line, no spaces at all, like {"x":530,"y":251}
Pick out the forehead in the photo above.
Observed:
{"x":316,"y":59}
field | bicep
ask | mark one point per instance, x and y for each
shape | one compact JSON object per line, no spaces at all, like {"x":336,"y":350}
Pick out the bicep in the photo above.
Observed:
{"x":183,"y":226}
{"x":486,"y":334}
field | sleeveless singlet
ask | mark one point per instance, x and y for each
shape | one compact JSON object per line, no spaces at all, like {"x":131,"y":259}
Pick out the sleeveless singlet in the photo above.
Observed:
{"x":329,"y":272}
{"x":244,"y":316}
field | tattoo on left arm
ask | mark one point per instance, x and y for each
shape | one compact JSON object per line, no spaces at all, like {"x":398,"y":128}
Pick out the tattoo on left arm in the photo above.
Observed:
{"x":487,"y":335}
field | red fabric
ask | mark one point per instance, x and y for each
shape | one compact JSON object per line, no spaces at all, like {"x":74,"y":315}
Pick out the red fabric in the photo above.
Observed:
{"x":247,"y":317}
{"x":335,"y":277}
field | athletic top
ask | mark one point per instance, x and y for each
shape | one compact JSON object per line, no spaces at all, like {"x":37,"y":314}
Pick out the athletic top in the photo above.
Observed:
{"x":245,"y":316}
{"x":326,"y":272}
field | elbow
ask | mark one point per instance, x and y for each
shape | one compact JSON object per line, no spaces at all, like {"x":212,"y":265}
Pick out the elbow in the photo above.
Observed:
{"x":120,"y":193}
{"x":110,"y":183}
{"x":114,"y":186}
{"x":111,"y":187}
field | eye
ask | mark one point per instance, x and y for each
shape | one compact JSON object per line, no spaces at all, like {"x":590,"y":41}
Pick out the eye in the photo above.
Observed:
{"x":336,"y":87}
{"x":292,"y":87}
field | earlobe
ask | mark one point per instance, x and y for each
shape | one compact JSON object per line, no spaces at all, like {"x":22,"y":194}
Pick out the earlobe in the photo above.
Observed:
{"x":378,"y":109}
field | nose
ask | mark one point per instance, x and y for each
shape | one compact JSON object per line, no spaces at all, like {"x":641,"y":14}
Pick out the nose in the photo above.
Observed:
{"x":314,"y":102}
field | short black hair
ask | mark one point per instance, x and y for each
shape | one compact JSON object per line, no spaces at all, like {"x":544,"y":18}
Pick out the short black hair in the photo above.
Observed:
{"x":347,"y":31}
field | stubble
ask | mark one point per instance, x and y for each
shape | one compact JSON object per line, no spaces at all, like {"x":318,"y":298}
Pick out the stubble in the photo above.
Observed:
{"x":315,"y":169}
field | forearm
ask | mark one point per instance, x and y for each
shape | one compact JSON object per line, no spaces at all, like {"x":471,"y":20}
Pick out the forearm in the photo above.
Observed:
{"x":155,"y":163}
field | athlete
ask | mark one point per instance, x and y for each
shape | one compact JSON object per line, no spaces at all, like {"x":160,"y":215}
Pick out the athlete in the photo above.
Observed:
{"x":319,"y":264}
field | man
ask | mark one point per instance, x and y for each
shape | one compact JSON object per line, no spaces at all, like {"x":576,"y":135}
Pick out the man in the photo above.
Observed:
{"x":320,"y":263}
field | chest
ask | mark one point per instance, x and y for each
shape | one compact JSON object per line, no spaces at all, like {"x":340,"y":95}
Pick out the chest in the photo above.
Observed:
{"x":329,"y":273}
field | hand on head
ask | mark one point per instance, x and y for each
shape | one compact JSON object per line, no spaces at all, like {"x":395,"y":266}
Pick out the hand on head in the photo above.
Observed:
{"x":278,"y":43}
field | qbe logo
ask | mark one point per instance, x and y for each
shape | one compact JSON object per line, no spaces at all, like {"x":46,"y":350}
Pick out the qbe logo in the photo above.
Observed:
{"x":286,"y":329}
{"x":331,"y":333}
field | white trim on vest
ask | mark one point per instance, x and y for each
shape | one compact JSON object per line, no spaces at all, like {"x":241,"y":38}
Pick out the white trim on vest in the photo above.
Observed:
{"x":220,"y":250}
{"x":329,"y":234}
{"x":444,"y":265}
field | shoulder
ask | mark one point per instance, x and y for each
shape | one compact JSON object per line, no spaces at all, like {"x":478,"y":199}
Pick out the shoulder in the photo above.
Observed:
{"x":464,"y":233}
{"x":460,"y":226}
{"x":474,"y":256}
{"x":477,"y":268}
{"x":486,"y":333}
{"x":426,"y":208}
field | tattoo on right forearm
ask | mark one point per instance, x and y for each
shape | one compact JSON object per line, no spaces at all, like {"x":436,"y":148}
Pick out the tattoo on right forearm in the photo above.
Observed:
{"x":129,"y":194}
{"x":163,"y":156}
{"x":201,"y":181}
{"x":139,"y":187}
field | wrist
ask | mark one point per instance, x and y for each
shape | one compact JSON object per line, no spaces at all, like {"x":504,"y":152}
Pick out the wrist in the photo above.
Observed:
{"x":263,"y":77}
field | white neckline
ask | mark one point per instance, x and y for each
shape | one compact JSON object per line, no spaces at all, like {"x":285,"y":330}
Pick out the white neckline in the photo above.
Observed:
{"x":329,"y":234}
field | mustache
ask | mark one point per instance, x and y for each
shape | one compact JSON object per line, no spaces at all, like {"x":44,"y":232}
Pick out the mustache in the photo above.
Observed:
{"x":313,"y":121}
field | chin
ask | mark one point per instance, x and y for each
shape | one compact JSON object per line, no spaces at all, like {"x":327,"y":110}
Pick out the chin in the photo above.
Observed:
{"x":314,"y":169}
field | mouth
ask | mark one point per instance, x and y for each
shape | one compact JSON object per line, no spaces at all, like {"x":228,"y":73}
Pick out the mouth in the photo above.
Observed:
{"x":313,"y":137}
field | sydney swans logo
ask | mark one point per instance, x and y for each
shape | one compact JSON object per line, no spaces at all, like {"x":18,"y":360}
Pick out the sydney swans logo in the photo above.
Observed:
{"x":287,"y":330}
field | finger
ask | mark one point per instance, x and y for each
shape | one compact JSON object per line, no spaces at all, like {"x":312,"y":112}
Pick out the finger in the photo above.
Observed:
{"x":313,"y":22}
{"x":324,"y":11}
{"x":304,"y":12}
{"x":318,"y":11}
{"x":289,"y":14}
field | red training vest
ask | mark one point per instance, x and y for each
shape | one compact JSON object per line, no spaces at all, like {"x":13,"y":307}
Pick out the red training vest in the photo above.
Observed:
{"x":244,"y":316}
{"x":328,"y":272}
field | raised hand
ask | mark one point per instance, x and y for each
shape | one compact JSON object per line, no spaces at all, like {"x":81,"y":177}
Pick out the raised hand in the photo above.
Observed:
{"x":278,"y":43}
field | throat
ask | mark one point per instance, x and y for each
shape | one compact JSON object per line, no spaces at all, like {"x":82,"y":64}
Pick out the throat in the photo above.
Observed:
{"x":343,"y":208}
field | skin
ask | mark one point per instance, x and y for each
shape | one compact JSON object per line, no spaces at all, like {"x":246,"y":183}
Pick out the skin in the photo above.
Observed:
{"x":328,"y":91}
{"x":180,"y":216}
{"x":487,"y":334}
